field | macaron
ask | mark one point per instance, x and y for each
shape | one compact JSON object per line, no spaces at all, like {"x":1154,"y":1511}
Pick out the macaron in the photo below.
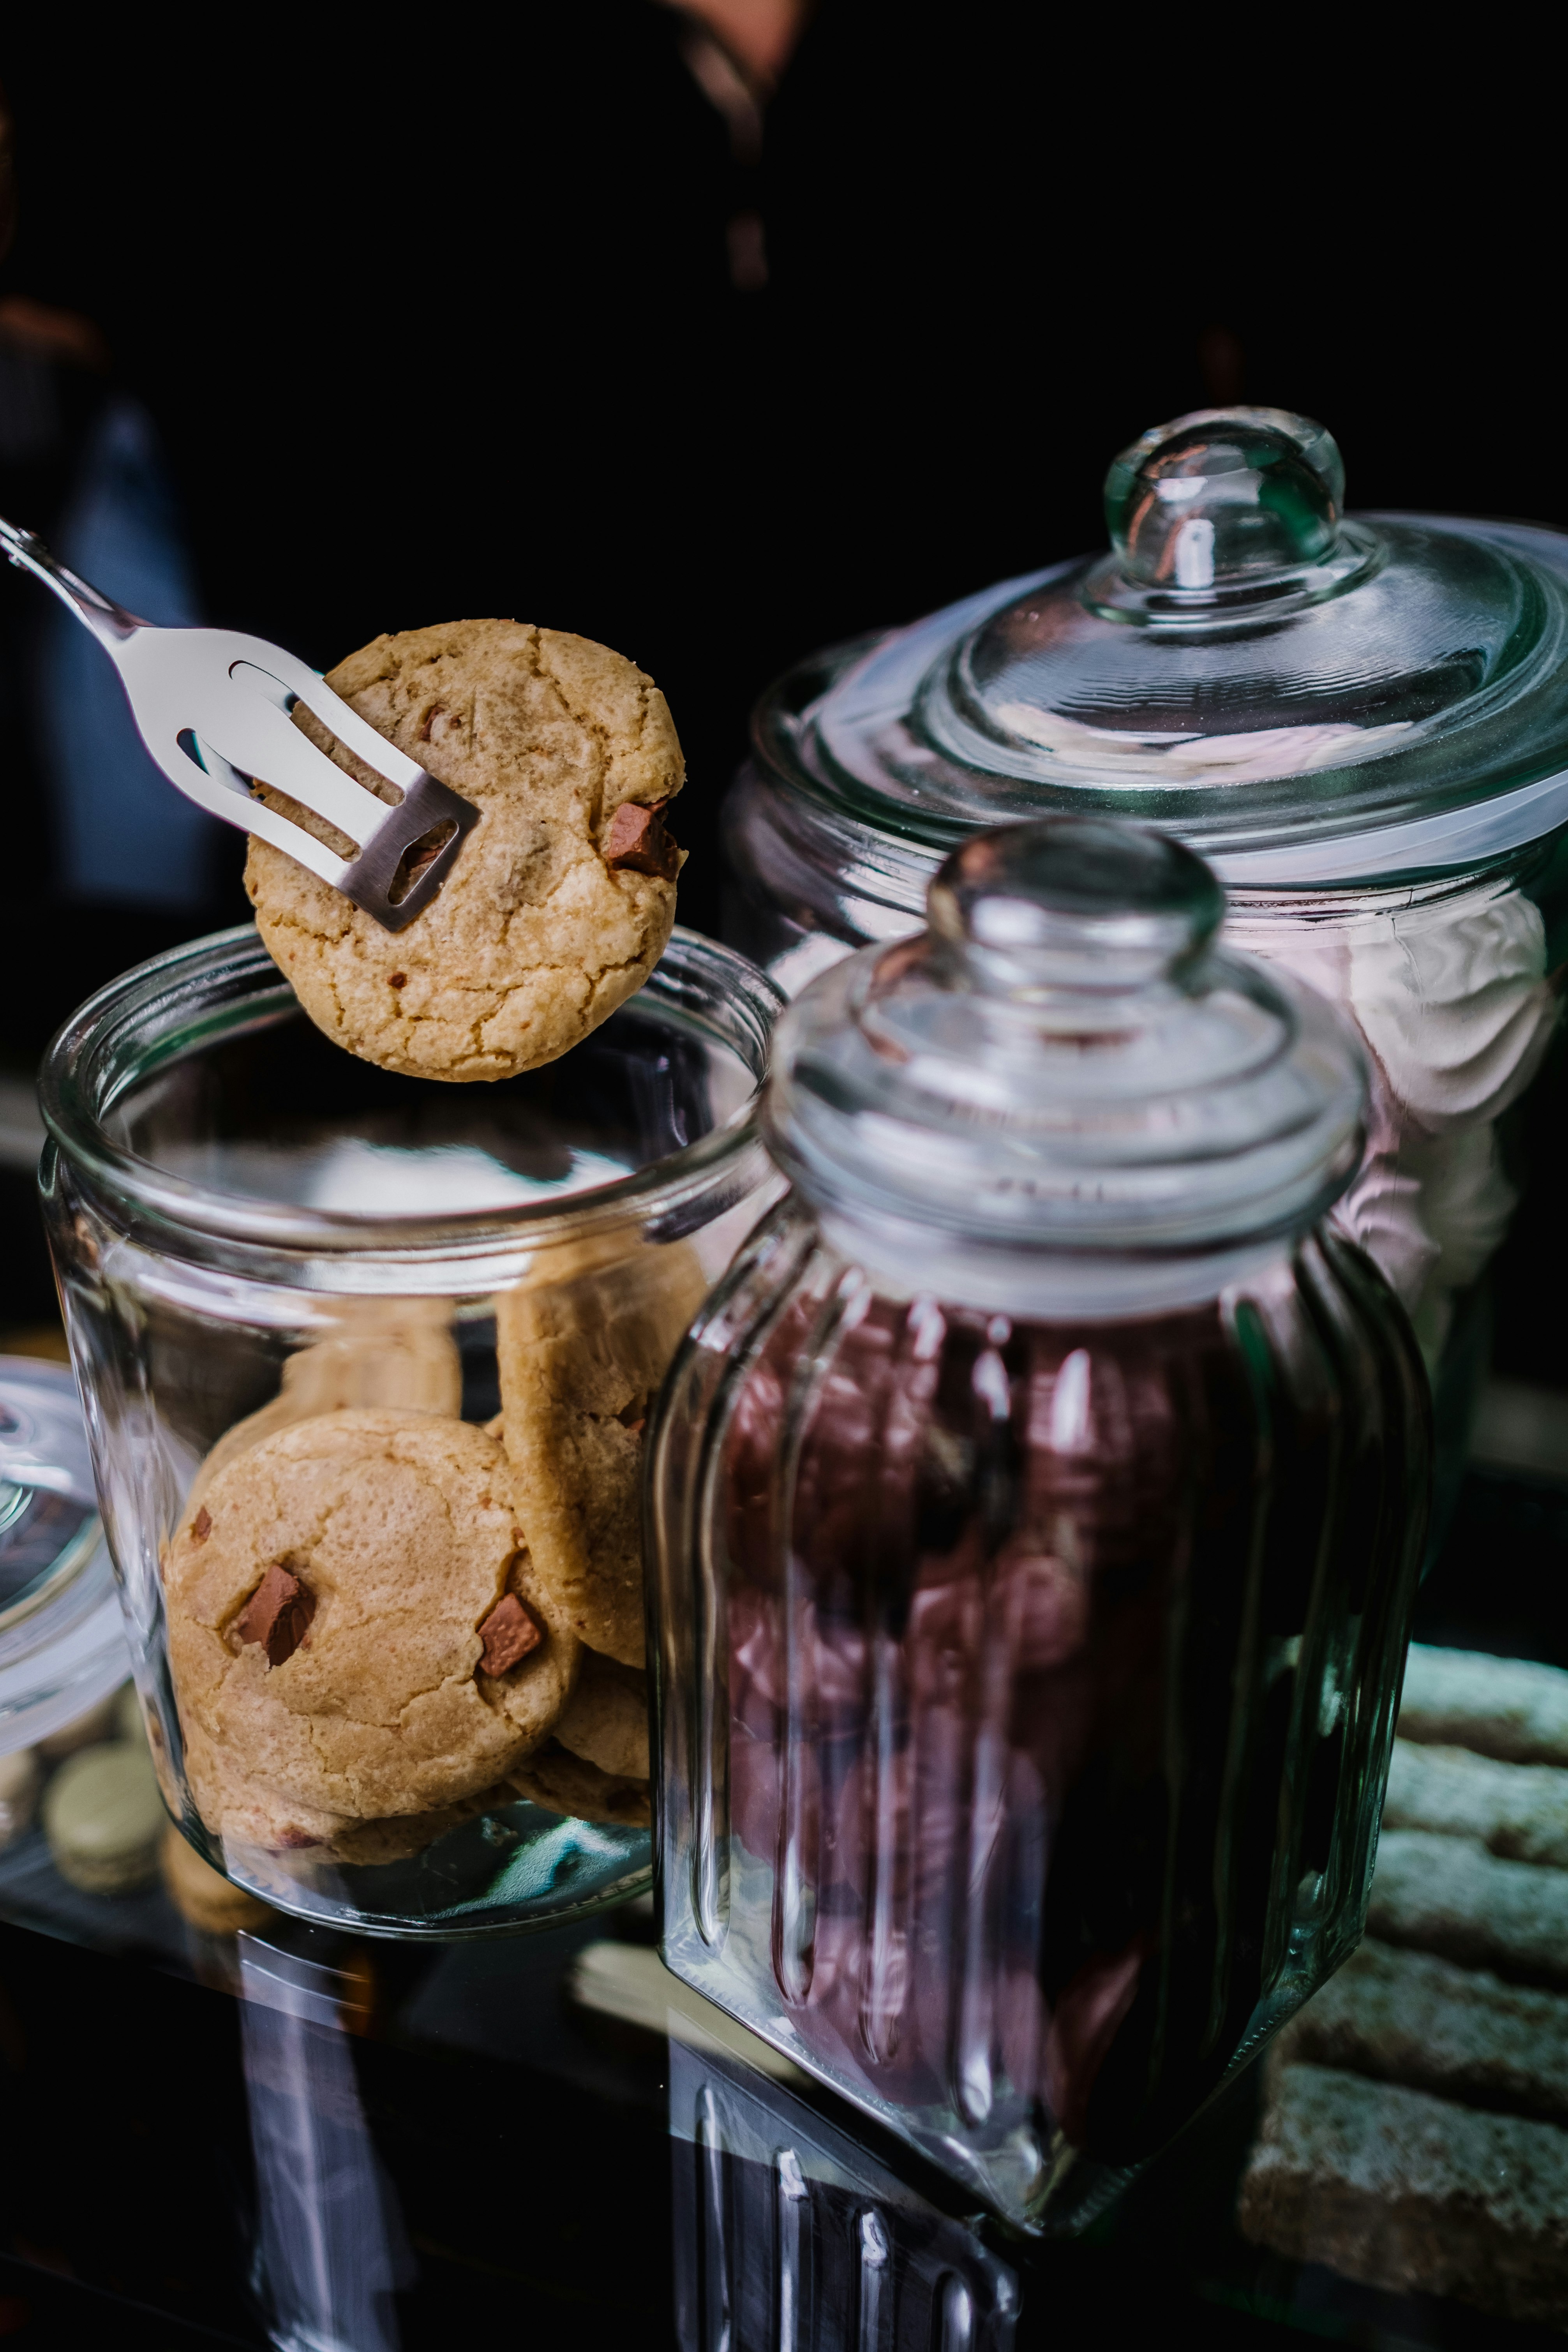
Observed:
{"x":104,"y":1818}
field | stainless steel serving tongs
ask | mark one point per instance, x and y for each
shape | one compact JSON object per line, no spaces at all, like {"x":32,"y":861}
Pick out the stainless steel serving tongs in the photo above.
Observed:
{"x":213,"y":707}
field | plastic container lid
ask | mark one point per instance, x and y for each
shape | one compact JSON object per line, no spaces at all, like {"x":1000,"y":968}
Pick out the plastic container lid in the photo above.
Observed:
{"x":1299,"y":695}
{"x":1065,"y":1062}
{"x":62,"y":1642}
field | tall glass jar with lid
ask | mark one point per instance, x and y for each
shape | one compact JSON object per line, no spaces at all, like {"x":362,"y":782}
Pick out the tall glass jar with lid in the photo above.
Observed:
{"x":366,"y":1362}
{"x":1361,"y":723}
{"x":1036,"y":1508}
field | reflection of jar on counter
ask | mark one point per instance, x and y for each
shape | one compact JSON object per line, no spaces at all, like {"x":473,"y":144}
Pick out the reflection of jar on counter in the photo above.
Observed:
{"x":779,"y":2212}
{"x":1055,"y":1479}
{"x":1362,"y":724}
{"x":367,"y":1360}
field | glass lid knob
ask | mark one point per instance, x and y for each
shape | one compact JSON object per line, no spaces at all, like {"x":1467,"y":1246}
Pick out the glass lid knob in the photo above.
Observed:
{"x":1066,"y":1059}
{"x":1075,"y":904}
{"x":1224,"y":495}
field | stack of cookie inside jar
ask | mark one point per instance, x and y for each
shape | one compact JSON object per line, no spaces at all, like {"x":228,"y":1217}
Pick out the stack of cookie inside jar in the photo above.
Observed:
{"x":1038,"y":1503}
{"x":374,"y":1247}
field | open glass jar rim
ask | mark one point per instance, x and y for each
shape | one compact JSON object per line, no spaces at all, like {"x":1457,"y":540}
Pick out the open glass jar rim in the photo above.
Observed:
{"x":216,"y":990}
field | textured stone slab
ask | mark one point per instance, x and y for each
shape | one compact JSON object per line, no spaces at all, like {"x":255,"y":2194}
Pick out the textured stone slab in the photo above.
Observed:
{"x":1449,"y":1895}
{"x":1462,"y":2033}
{"x":1401,"y":2190}
{"x":1508,"y":1708}
{"x":1517,"y":1810}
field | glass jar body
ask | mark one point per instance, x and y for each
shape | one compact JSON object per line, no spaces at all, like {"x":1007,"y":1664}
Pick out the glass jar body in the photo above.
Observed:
{"x":1453,"y":981}
{"x":261,"y":1243}
{"x":1026,"y":1687}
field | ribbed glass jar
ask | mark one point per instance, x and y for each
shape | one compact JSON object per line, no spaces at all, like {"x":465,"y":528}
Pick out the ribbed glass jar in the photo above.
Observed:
{"x":1031,"y":1621}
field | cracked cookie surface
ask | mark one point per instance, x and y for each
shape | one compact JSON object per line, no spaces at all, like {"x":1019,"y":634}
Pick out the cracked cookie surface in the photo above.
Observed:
{"x":533,"y":940}
{"x":398,"y":1526}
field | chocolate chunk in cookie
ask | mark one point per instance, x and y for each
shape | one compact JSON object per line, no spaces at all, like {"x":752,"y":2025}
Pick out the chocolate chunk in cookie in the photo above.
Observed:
{"x":508,"y":1633}
{"x":635,"y":842}
{"x":278,"y":1613}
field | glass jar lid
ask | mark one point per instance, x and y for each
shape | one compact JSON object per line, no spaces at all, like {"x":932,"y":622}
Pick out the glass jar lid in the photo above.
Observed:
{"x":49,"y":1512}
{"x":1064,"y":1060}
{"x":1299,"y":694}
{"x":62,"y":1642}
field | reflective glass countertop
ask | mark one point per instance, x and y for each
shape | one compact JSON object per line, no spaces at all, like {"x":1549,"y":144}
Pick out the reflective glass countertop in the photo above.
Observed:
{"x":292,"y":2137}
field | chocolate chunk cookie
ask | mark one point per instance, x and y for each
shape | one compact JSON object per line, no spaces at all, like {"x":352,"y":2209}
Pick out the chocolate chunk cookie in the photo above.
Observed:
{"x":386,"y":1352}
{"x":606,"y":1718}
{"x":568,"y":1784}
{"x":562,"y":898}
{"x":328,"y":1604}
{"x":582,"y":1349}
{"x":254,"y":1822}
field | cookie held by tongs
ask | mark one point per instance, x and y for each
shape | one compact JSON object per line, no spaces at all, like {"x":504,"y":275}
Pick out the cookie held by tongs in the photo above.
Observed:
{"x":563,"y":898}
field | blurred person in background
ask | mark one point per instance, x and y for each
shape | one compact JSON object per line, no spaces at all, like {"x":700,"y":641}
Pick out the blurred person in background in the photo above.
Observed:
{"x":716,"y":331}
{"x":108,"y":864}
{"x":723,"y":330}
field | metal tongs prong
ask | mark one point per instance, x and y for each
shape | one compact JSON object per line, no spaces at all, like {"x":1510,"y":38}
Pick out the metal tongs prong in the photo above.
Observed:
{"x":213,"y":708}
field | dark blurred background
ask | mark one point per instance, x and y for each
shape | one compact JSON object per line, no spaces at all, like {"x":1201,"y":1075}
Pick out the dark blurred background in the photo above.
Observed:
{"x":714,"y":332}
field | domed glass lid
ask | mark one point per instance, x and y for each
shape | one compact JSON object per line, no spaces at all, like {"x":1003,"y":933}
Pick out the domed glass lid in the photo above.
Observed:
{"x":1247,"y":666}
{"x":1064,"y":1060}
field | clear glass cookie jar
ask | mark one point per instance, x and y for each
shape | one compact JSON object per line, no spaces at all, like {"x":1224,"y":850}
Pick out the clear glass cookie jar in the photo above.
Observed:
{"x":1037,"y":1506}
{"x":366,"y":1362}
{"x":1360,"y":722}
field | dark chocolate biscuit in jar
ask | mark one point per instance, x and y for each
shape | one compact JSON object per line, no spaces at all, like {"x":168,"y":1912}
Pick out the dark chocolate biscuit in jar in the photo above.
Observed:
{"x":1038,"y":1505}
{"x":1360,"y":723}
